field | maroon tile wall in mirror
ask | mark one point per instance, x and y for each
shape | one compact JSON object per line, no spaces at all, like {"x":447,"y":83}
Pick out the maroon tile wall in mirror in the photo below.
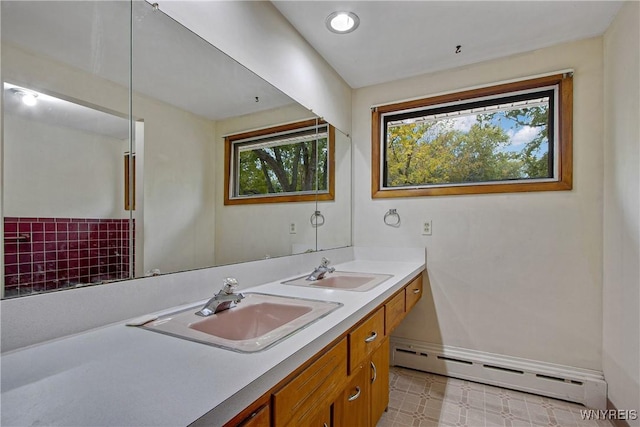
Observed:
{"x":45,"y":254}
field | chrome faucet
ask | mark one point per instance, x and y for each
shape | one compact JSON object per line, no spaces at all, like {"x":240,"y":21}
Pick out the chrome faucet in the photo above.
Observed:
{"x":323,"y":269}
{"x":223,"y":300}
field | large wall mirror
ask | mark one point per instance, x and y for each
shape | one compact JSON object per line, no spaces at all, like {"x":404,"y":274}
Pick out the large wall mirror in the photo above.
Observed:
{"x":114,"y":122}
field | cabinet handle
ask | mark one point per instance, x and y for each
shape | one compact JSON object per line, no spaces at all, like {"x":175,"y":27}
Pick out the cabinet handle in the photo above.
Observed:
{"x":324,"y":425}
{"x":416,"y":291}
{"x":375,"y":373}
{"x":355,"y":396}
{"x":372,"y":338}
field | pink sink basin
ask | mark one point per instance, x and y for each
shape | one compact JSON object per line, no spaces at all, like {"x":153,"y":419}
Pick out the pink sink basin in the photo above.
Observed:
{"x":258,"y":322}
{"x":343,"y":280}
{"x":249,"y":321}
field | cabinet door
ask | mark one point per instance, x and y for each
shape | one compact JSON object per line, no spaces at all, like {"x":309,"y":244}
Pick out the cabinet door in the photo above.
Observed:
{"x":379,"y":377}
{"x":322,"y":418}
{"x":352,"y":409}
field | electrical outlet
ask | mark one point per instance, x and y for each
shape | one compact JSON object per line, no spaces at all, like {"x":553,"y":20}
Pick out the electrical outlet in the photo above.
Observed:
{"x":427,"y":228}
{"x":292,"y":228}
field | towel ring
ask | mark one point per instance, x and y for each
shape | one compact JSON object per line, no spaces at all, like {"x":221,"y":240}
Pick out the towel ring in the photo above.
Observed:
{"x":392,"y":213}
{"x":317,"y":219}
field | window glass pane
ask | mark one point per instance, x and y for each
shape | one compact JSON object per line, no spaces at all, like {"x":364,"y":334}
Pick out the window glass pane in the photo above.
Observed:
{"x":286,"y":165}
{"x":505,"y":139}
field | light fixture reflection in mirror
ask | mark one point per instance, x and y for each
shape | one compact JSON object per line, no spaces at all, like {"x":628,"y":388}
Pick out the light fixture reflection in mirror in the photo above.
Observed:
{"x":28,"y":98}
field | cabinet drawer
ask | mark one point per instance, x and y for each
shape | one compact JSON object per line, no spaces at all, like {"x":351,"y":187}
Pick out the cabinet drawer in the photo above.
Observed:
{"x":413,"y":293}
{"x":394,"y":312}
{"x":298,"y":402}
{"x":365,"y":338}
{"x":259,"y":418}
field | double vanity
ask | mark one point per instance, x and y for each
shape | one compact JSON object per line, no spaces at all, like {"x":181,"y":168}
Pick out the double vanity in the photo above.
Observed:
{"x":290,"y":352}
{"x":262,"y":320}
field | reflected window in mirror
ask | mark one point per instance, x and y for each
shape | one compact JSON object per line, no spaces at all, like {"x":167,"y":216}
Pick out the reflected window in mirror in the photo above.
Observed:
{"x":288,"y":163}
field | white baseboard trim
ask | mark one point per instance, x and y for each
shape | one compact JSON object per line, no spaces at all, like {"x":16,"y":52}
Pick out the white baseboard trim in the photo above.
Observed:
{"x":561,"y":382}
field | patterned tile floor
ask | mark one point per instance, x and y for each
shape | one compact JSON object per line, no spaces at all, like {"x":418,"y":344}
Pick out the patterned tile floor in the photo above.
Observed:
{"x":421,"y":399}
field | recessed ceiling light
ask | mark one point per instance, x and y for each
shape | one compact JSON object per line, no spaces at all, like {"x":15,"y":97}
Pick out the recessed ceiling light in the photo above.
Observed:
{"x":342,"y":22}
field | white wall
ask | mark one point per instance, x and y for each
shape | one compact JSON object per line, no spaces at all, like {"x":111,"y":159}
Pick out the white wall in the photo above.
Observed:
{"x":61,"y":172}
{"x":513,"y":274}
{"x":179,"y":187}
{"x":621,"y":293}
{"x":179,"y":174}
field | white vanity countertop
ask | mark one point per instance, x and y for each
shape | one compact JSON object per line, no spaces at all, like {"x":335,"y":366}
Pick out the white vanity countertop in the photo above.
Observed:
{"x":126,"y":376}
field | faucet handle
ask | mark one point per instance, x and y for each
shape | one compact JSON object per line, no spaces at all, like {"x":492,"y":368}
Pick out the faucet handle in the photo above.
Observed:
{"x":325,"y":262}
{"x":229,"y":285}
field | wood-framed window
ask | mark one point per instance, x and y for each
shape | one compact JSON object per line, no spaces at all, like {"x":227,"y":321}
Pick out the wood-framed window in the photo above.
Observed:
{"x":513,"y":137}
{"x":287,"y":163}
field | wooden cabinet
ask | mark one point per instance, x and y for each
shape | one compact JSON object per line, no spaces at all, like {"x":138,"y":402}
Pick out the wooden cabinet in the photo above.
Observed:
{"x":401,"y":303}
{"x":394,"y":311}
{"x":313,"y":390}
{"x":260,"y":418}
{"x":352,"y":409}
{"x":379,"y":381}
{"x":366,"y":395}
{"x":369,"y":372}
{"x":323,"y":418}
{"x":346,"y":384}
{"x":413,"y":292}
{"x":365,"y":338}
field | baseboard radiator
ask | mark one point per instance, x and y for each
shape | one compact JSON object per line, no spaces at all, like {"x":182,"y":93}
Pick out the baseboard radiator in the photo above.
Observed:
{"x":561,"y":382}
